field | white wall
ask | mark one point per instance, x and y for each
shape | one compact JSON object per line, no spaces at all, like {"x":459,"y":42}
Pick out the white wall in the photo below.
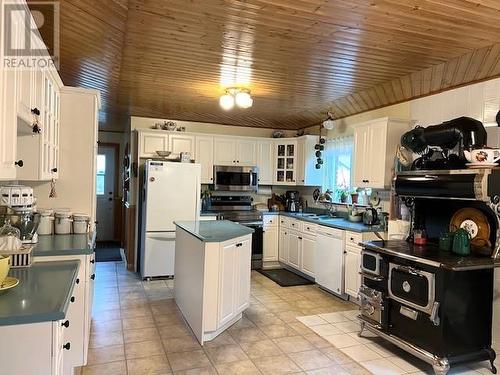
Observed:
{"x":205,"y":127}
{"x":77,"y":143}
{"x":480,"y":101}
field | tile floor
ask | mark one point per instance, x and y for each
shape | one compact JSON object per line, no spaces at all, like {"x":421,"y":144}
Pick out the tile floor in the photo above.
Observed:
{"x":137,"y":329}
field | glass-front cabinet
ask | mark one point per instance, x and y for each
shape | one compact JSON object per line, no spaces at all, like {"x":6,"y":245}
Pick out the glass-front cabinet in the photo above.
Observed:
{"x":286,"y":162}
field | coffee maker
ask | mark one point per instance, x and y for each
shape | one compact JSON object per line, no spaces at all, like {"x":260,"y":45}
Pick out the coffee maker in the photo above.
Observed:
{"x":292,"y":203}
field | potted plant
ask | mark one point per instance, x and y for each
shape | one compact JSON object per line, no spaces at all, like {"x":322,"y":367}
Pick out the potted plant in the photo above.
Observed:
{"x":342,"y":194}
{"x":355,"y":195}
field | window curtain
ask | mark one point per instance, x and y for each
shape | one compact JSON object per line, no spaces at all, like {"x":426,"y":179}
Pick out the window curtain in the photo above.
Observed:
{"x":338,"y":155}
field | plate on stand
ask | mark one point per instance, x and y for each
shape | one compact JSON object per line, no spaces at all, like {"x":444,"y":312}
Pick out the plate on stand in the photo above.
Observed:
{"x":9,"y":283}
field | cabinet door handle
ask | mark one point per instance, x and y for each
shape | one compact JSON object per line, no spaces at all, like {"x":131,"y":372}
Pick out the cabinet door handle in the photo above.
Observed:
{"x":54,"y":170}
{"x":300,"y":238}
{"x":239,"y":244}
{"x":77,"y":281}
{"x":67,"y":346}
{"x":92,"y":276}
{"x":65,"y":324}
{"x":35,"y":111}
{"x":92,"y":261}
{"x":19,"y":163}
{"x":72,"y":299}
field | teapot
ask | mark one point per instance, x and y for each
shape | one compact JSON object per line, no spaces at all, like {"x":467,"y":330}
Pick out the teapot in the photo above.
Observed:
{"x":482,"y":156}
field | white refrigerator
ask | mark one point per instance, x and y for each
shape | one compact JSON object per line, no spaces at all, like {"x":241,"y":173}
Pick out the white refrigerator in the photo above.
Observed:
{"x":171,"y":192}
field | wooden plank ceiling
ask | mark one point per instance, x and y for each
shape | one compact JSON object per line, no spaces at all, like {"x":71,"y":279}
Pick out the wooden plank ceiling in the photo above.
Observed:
{"x":300,"y":58}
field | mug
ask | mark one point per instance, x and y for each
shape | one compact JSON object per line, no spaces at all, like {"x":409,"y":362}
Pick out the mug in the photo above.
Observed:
{"x":461,"y":242}
{"x":485,"y":155}
{"x":446,"y":241}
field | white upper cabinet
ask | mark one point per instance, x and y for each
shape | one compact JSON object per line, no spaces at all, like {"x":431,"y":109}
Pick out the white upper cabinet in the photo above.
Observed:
{"x":265,"y":161}
{"x":285,"y":162}
{"x":374,"y":149}
{"x":149,"y":143}
{"x":224,"y":151}
{"x":23,"y":154}
{"x":181,"y":143}
{"x":235,"y":151}
{"x":246,"y":152}
{"x":40,"y":153}
{"x":205,"y":157}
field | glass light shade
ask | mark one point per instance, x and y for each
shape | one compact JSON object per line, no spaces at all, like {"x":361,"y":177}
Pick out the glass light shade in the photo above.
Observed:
{"x":328,"y":124}
{"x":244,"y":100}
{"x":226,"y":102}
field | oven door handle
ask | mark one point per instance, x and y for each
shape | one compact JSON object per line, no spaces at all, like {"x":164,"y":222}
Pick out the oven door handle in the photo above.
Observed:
{"x":409,"y":270}
{"x":434,"y":318}
{"x":370,"y":277}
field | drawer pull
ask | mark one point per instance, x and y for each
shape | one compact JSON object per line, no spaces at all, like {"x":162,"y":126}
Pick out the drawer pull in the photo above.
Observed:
{"x":92,"y":261}
{"x":239,"y":244}
{"x":300,"y":238}
{"x":67,"y":346}
{"x":72,"y":299}
{"x":77,"y":281}
{"x":65,"y":324}
{"x":92,"y":276}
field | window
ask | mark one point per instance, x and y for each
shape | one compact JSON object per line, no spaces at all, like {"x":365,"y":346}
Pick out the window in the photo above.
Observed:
{"x":338,"y":157}
{"x":101,"y":172}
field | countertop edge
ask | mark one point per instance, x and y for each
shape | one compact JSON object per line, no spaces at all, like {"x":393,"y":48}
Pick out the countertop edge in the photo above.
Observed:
{"x":245,"y":232}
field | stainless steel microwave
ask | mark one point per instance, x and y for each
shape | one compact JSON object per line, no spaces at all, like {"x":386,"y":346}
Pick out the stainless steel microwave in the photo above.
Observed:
{"x":236,"y":178}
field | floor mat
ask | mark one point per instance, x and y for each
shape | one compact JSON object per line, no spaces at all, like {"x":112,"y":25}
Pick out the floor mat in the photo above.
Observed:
{"x":284,"y":277}
{"x":108,"y":254}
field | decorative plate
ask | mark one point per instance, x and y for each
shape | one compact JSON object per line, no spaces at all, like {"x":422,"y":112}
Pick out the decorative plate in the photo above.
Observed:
{"x":474,"y":222}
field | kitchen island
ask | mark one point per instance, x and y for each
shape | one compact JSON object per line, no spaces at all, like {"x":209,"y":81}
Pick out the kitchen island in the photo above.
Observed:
{"x":212,"y":274}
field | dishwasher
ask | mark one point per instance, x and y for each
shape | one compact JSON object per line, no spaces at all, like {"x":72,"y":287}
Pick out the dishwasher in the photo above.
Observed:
{"x":329,"y":267}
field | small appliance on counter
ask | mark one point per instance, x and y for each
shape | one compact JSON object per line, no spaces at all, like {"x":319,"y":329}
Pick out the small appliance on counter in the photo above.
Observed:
{"x":292,"y":203}
{"x":17,"y":209}
{"x":371,"y":216}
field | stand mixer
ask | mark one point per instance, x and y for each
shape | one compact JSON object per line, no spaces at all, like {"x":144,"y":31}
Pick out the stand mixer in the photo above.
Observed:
{"x":17,"y":209}
{"x":442,"y":146}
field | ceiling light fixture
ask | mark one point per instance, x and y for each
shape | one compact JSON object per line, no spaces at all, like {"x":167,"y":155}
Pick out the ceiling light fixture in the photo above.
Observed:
{"x":236,"y":95}
{"x":329,"y":124}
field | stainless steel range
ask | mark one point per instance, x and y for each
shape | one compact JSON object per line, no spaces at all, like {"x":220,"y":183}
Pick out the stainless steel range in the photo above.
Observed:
{"x":238,"y":208}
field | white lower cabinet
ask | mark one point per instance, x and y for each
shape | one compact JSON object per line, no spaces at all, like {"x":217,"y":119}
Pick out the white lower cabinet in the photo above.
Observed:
{"x":352,"y":268}
{"x":270,"y":244}
{"x":283,"y":246}
{"x":308,"y":244}
{"x":294,"y":249}
{"x":79,"y":313}
{"x":45,"y":342}
{"x":234,"y":273}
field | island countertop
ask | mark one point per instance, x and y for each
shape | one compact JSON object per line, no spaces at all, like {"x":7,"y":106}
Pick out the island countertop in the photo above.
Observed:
{"x":214,"y":231}
{"x":65,"y":244}
{"x":43,"y":293}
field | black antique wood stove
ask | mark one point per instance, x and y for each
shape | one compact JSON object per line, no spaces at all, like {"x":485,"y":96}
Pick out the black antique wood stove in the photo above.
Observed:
{"x":434,"y":304}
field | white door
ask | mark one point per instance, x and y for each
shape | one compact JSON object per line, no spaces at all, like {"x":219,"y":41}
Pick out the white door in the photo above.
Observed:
{"x":307,"y":253}
{"x":181,"y":143}
{"x":377,"y":150}
{"x":294,"y":250}
{"x":224,"y":151}
{"x":265,"y":162}
{"x":329,"y":269}
{"x":105,"y":190}
{"x":205,"y":157}
{"x":270,"y":244}
{"x":361,"y":155}
{"x":352,"y":269}
{"x":227,"y":282}
{"x":244,"y":255}
{"x":246,"y":153}
{"x":283,"y":246}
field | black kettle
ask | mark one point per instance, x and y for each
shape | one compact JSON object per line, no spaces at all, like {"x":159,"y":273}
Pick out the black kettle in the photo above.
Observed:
{"x":370,"y":216}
